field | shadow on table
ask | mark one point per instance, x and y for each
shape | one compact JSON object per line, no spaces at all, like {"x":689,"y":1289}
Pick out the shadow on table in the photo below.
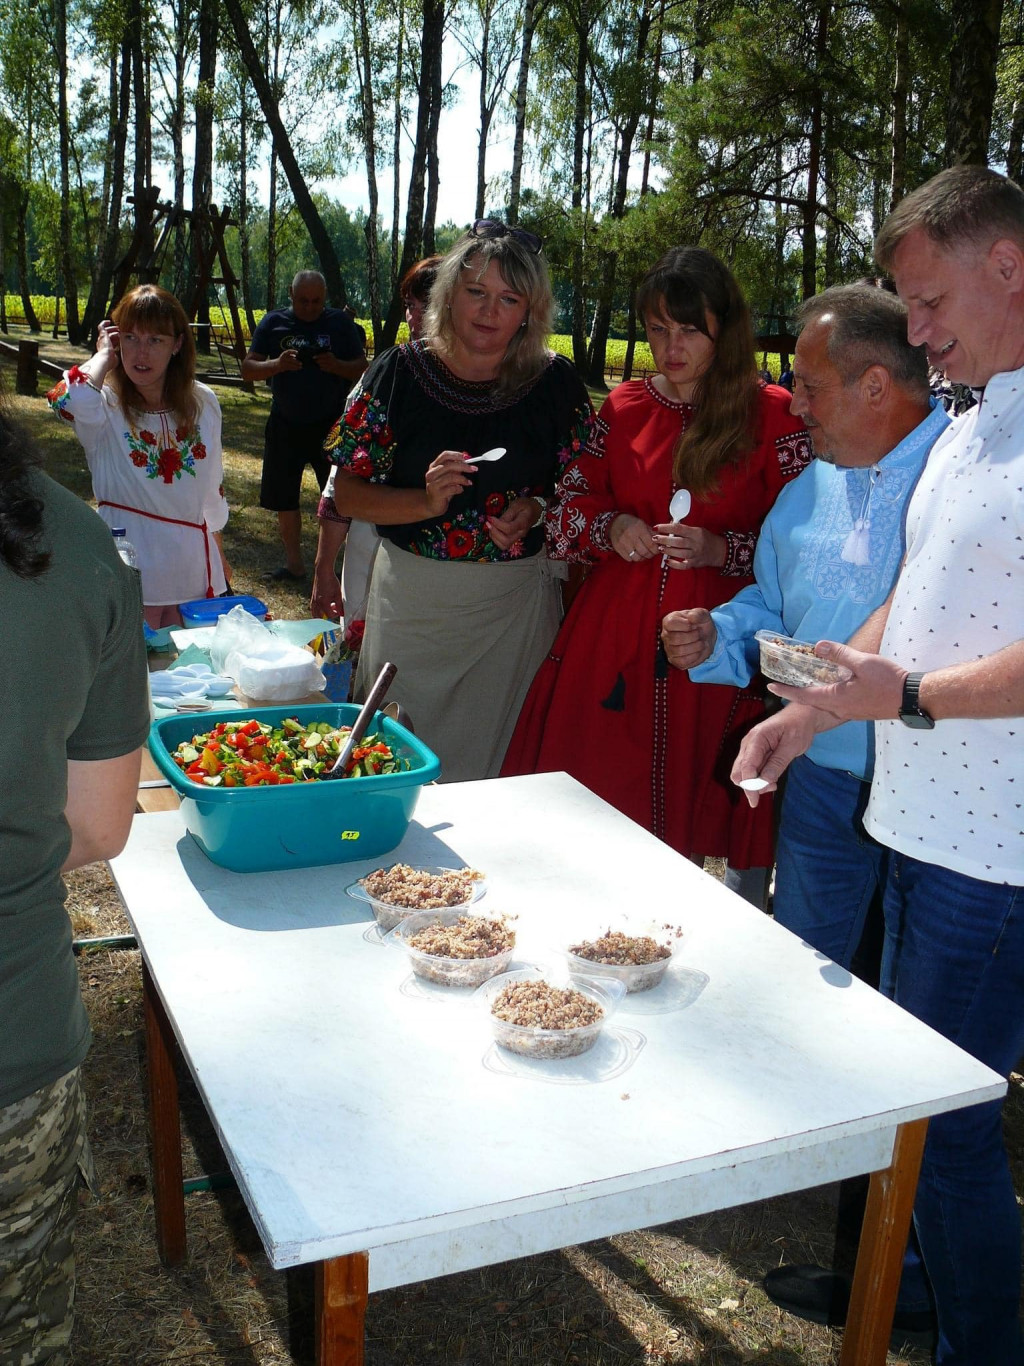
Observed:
{"x":304,"y":898}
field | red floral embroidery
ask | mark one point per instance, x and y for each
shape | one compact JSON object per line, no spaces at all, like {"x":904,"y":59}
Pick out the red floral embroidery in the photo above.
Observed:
{"x":77,"y":376}
{"x":181,"y":431}
{"x":149,"y":437}
{"x":354,"y":416}
{"x":139,"y":459}
{"x":495,"y":504}
{"x":459,"y":543}
{"x":199,"y":451}
{"x":385,"y":436}
{"x":168,"y":464}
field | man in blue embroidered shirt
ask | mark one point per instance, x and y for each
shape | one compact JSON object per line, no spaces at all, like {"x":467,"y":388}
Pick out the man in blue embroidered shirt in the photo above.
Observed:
{"x":828,"y":555}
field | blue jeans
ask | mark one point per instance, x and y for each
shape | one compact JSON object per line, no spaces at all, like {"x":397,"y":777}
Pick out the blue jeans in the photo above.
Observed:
{"x":828,"y":869}
{"x":954,"y":958}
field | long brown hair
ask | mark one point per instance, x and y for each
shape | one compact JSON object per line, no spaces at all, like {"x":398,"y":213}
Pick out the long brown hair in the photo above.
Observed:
{"x":687,"y":285}
{"x":149,"y":306}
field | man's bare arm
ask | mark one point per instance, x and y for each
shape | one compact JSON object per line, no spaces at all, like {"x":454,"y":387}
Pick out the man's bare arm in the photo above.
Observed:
{"x":100,"y":805}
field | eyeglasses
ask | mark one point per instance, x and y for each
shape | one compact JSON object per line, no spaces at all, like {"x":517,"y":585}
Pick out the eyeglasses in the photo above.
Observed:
{"x":491,"y":228}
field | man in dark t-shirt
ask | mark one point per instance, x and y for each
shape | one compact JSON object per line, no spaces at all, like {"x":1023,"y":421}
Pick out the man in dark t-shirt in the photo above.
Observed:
{"x":309,"y":355}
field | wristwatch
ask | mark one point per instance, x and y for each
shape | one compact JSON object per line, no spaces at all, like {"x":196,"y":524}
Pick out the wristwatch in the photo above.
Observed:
{"x":911,"y":712}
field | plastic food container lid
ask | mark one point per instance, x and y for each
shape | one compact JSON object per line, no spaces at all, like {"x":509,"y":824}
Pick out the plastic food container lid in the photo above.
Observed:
{"x":205,"y":611}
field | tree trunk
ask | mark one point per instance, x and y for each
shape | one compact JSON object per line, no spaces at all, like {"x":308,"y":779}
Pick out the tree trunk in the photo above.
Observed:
{"x":430,"y":51}
{"x":972,"y":80}
{"x":177,"y":131}
{"x":198,"y":302}
{"x":396,"y":155}
{"x":531,"y":13}
{"x":120,"y":96}
{"x":67,"y":267}
{"x":272,"y":234}
{"x":582,"y":20}
{"x":609,"y":259}
{"x":433,"y":127}
{"x":900,"y":87}
{"x":244,"y":246}
{"x":34,"y":324}
{"x":484,"y":110}
{"x":143,"y":224}
{"x":1015,"y":149}
{"x":809,"y":273}
{"x":365,"y":69}
{"x":322,"y":243}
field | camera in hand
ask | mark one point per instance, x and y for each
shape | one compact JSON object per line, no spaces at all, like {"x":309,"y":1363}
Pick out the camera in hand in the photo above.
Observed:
{"x":308,"y":354}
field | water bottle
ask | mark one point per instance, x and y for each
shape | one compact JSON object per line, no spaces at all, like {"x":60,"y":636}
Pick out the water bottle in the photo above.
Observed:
{"x":124,"y":547}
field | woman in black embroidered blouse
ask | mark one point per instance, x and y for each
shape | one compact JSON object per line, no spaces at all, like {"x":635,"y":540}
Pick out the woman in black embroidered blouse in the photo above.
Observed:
{"x":463,"y":598}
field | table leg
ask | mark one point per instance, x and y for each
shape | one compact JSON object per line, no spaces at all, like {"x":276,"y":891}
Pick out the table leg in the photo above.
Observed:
{"x":341,"y":1293}
{"x":880,"y":1255}
{"x":164,"y":1127}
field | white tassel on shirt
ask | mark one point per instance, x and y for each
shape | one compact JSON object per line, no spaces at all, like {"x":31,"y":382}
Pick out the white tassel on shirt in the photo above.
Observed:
{"x":857,"y":546}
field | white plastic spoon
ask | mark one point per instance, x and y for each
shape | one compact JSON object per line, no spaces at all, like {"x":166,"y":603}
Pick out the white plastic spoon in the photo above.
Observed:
{"x":679,"y":508}
{"x":677,"y":511}
{"x":494,"y":454}
{"x":754,"y":784}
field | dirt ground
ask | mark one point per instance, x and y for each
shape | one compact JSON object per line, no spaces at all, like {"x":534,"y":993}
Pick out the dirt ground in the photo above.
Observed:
{"x":686,"y":1293}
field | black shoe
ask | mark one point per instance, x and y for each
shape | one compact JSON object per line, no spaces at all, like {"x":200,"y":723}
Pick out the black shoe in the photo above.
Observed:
{"x":820,"y":1296}
{"x":285,"y":575}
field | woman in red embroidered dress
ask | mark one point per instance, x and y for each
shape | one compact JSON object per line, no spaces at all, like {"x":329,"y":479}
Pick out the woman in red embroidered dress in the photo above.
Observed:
{"x":152,"y":438}
{"x":605,"y":705}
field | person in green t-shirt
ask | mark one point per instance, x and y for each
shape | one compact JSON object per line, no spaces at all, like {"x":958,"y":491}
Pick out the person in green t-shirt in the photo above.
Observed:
{"x":75,"y":714}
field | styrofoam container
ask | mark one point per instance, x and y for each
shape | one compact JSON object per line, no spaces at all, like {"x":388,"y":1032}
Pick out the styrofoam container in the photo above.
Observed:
{"x":785,"y":660}
{"x":205,"y":611}
{"x":299,"y":825}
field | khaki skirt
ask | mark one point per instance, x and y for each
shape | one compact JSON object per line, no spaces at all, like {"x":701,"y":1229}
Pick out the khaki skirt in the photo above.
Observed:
{"x":467,"y":640}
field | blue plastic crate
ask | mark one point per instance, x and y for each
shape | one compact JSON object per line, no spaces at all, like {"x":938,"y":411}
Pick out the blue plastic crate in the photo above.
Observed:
{"x":299,"y":825}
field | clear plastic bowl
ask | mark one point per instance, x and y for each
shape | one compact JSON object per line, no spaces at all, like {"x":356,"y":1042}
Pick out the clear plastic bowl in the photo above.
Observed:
{"x":633,"y":976}
{"x":448,"y":972}
{"x":388,"y":915}
{"x":530,"y":1041}
{"x":785,"y":660}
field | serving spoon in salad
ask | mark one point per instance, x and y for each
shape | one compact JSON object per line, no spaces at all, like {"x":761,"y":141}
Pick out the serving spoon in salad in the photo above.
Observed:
{"x":374,"y":698}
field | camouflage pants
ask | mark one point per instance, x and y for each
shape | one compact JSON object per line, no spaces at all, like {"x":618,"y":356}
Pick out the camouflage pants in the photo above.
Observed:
{"x":43,"y":1152}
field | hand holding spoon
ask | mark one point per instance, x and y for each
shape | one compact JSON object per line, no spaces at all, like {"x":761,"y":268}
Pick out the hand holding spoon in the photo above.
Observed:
{"x":678,"y":510}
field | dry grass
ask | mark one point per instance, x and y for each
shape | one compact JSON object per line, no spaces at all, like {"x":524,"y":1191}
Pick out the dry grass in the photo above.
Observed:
{"x":687,"y":1294}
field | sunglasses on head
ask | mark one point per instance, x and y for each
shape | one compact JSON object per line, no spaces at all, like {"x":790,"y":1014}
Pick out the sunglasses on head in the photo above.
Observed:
{"x":491,"y":227}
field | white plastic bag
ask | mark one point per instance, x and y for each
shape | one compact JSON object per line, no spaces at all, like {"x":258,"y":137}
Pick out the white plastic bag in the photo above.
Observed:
{"x":265,"y":668}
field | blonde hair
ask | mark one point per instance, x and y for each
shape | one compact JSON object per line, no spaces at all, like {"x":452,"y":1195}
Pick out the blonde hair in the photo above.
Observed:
{"x":525,"y":273}
{"x":154,"y":308}
{"x":687,"y":285}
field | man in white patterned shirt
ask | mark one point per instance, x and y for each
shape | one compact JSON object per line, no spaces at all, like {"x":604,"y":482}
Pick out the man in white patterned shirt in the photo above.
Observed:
{"x":946,"y":692}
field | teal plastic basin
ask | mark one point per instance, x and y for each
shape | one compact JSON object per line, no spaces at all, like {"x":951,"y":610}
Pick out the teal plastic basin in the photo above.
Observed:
{"x":300,"y":825}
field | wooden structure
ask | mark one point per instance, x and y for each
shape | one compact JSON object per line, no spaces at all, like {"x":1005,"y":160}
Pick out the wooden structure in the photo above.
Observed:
{"x":155,"y":221}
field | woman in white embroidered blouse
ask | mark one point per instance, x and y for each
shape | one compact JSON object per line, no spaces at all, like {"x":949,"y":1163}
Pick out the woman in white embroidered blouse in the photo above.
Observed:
{"x":152,"y":439}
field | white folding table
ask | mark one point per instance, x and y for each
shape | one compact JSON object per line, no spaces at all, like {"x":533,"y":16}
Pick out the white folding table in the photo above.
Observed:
{"x":375,"y":1130}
